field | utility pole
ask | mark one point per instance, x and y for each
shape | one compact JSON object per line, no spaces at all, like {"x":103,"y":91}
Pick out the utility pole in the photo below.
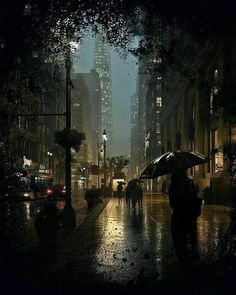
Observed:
{"x":68,"y":127}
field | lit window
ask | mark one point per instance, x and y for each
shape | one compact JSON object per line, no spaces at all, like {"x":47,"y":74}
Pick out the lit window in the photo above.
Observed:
{"x":158,"y":101}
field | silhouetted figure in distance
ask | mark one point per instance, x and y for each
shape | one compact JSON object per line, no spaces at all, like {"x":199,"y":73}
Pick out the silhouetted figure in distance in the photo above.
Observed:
{"x":127,"y":196}
{"x":119,"y":192}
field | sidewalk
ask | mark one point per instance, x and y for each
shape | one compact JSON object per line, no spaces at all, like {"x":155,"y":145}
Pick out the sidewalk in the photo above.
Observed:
{"x":81,"y":211}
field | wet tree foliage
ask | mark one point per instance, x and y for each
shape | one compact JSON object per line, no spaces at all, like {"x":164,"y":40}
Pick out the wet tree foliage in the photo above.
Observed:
{"x":35,"y":33}
{"x":33,"y":28}
{"x":118,"y":163}
{"x":69,"y":138}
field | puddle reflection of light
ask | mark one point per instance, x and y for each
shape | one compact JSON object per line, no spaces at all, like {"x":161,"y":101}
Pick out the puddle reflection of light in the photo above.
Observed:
{"x":112,"y":240}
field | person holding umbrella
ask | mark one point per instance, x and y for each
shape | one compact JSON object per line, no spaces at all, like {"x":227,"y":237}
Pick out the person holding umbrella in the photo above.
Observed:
{"x":184,"y":198}
{"x":185,"y":203}
{"x":120,"y":191}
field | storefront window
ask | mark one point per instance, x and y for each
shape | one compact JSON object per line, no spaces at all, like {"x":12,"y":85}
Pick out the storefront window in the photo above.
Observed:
{"x":218,"y":164}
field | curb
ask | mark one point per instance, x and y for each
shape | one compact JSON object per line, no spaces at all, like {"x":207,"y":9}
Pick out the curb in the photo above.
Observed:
{"x":93,"y":215}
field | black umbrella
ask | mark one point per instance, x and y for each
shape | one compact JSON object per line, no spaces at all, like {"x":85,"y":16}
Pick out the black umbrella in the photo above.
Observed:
{"x":171,"y":162}
{"x":121,"y":182}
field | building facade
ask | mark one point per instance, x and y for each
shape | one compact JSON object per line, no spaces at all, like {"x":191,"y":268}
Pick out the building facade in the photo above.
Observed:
{"x":191,"y":117}
{"x":145,"y":114}
{"x":102,"y":65}
{"x":31,"y":123}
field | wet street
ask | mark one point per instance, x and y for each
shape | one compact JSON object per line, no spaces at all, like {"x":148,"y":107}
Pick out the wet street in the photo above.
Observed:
{"x":122,"y":247}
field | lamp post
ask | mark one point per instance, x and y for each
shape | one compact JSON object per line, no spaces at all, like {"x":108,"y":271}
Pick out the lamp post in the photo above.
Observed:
{"x":104,"y":135}
{"x":49,"y":162}
{"x":68,"y":127}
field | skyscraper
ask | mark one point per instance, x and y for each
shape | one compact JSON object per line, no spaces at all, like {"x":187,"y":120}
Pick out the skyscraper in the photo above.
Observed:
{"x":102,"y":64}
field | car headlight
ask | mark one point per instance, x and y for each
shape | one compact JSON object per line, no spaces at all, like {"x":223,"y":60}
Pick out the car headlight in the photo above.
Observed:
{"x":26,"y":195}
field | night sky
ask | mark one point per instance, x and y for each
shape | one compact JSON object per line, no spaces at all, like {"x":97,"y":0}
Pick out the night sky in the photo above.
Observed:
{"x":124,"y":72}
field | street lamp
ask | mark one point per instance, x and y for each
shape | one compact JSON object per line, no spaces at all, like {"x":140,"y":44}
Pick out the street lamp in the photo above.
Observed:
{"x":104,"y":135}
{"x":49,"y":157}
{"x":68,"y":127}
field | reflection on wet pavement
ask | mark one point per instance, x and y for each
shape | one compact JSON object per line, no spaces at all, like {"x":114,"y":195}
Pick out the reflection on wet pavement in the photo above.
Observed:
{"x":122,"y":246}
{"x":17,"y":220}
{"x":126,"y":245}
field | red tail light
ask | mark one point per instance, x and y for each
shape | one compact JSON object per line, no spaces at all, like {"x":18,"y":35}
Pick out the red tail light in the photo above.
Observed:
{"x":49,"y":191}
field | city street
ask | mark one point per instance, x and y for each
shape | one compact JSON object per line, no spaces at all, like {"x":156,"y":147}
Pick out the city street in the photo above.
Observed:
{"x":132,"y":249}
{"x":112,"y":101}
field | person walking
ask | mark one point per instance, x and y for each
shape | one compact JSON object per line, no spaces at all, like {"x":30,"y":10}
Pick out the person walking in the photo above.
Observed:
{"x":127,"y":195}
{"x":134,"y":192}
{"x":185,"y":203}
{"x":119,"y":192}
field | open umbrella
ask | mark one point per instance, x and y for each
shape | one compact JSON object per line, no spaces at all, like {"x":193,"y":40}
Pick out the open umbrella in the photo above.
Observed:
{"x":121,"y":182}
{"x":171,"y":162}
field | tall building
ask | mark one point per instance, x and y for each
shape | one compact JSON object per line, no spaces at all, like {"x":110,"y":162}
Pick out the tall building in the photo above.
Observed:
{"x":145,"y":113}
{"x":93,"y":83}
{"x":102,"y":64}
{"x":133,"y":134}
{"x":86,"y":117}
{"x":81,"y":121}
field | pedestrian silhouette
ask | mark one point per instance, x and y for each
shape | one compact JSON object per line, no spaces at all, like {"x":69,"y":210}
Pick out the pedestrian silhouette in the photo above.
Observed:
{"x":186,"y":208}
{"x":127,"y":196}
{"x":134,"y":192}
{"x":119,"y":192}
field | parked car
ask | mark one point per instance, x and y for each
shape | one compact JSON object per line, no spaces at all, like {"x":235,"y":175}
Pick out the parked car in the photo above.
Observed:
{"x":56,"y":191}
{"x":11,"y":193}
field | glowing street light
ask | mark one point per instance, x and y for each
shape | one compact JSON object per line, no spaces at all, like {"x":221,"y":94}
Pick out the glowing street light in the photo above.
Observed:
{"x":49,"y":158}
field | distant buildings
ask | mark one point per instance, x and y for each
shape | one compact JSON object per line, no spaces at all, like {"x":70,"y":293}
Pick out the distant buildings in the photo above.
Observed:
{"x":145,"y":116}
{"x":102,"y":64}
{"x":30,"y":134}
{"x":86,"y":117}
